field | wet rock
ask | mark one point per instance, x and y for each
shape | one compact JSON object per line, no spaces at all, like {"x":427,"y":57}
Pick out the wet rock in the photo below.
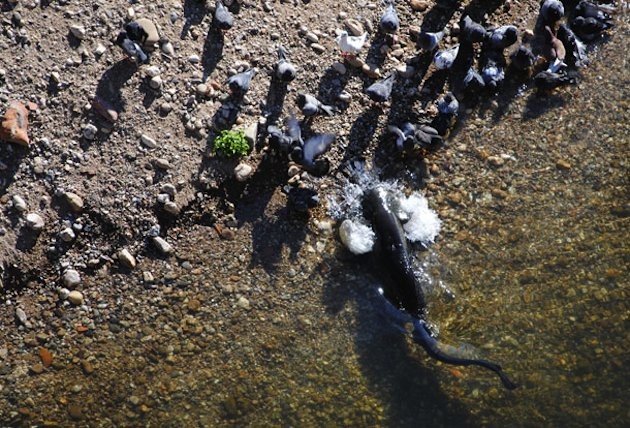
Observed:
{"x":15,"y":124}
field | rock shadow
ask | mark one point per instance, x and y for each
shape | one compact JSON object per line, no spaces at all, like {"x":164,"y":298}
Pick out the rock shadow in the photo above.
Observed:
{"x":11,"y":156}
{"x":332,"y":84}
{"x":273,"y":229}
{"x":194,"y":12}
{"x":274,"y":101}
{"x":537,"y":104}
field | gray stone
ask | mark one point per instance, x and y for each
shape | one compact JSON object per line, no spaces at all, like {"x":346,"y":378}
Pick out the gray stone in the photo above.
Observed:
{"x":126,"y":259}
{"x":71,"y":278}
{"x":21,"y":316}
{"x":243,"y":171}
{"x":67,"y":234}
{"x":19,"y":203}
{"x":148,"y":141}
{"x":89,"y":131}
{"x":34,"y":221}
{"x":78,"y":31}
{"x":162,"y":246}
{"x":74,"y":201}
{"x":152,"y":33}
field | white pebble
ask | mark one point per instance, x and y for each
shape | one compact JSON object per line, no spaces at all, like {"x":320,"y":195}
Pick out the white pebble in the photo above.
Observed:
{"x":34,"y":221}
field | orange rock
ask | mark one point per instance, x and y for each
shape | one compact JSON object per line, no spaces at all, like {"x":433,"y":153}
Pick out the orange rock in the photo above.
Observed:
{"x":46,"y":357}
{"x":15,"y":124}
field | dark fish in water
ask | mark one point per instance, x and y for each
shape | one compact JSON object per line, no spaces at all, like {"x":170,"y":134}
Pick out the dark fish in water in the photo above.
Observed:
{"x":403,"y":290}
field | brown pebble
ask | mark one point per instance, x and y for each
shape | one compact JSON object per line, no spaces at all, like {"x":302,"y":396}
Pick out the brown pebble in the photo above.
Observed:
{"x":37,"y":368}
{"x":105,"y":109}
{"x":87,"y":367}
{"x":194,"y":305}
{"x":46,"y":357}
{"x":419,"y":5}
{"x":563,"y":164}
{"x":14,"y":125}
{"x":75,"y":411}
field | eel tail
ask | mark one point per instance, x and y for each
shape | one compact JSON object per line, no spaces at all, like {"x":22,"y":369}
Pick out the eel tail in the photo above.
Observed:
{"x":422,"y":336}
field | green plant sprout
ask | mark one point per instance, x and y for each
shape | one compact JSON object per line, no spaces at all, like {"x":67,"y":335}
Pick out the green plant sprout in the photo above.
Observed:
{"x":231,"y":144}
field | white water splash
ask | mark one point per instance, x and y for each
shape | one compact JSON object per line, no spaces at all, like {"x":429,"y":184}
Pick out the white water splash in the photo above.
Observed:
{"x":421,"y":223}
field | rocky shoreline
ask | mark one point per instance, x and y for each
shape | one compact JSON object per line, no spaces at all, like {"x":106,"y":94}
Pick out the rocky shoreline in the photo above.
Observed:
{"x":122,"y":234}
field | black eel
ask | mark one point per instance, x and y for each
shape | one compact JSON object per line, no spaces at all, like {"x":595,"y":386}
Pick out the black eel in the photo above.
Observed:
{"x":403,"y":290}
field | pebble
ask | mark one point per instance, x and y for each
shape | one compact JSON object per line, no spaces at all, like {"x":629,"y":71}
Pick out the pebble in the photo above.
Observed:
{"x":75,"y":297}
{"x":318,"y":48}
{"x":75,"y":411}
{"x":419,"y":5}
{"x":162,"y":163}
{"x":67,"y":234}
{"x":339,"y":68}
{"x":21,"y":316}
{"x":78,"y":31}
{"x":243,"y":171}
{"x":171,"y":208}
{"x":74,"y":201}
{"x":89,"y":132}
{"x":34,"y":221}
{"x":354,"y":27}
{"x":194,"y":59}
{"x":126,"y":259}
{"x":563,"y":164}
{"x":100,"y":49}
{"x":152,"y":33}
{"x":155,"y":82}
{"x":312,"y":37}
{"x":14,"y":128}
{"x":19,"y":203}
{"x":162,"y":246}
{"x":71,"y":278}
{"x":148,"y":141}
{"x":105,"y":109}
{"x":242,"y":303}
{"x":168,"y":49}
{"x":152,"y":71}
{"x":87,"y":367}
{"x":344,"y":97}
{"x":251,"y":133}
